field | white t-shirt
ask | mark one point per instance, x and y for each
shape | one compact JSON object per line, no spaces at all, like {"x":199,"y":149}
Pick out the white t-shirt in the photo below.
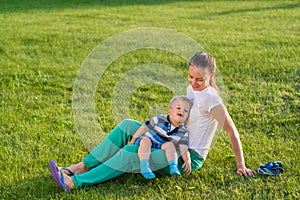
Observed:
{"x":201,"y":125}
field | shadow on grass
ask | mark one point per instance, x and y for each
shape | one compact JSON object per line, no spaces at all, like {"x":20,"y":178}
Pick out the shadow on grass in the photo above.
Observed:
{"x":204,"y":184}
{"x":26,"y":5}
{"x":260,"y":9}
{"x":44,"y":187}
{"x":7,"y":6}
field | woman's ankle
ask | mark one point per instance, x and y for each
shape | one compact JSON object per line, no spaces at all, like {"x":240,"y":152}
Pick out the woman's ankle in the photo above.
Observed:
{"x":80,"y":168}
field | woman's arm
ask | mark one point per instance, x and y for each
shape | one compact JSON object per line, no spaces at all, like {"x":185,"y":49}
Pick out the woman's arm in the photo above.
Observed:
{"x":141,"y":131}
{"x":221,"y":114}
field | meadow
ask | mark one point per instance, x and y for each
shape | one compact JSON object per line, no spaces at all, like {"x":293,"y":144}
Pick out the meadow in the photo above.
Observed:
{"x":43,"y":44}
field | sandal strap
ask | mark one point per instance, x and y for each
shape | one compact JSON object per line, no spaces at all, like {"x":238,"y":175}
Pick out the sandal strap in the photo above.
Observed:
{"x":69,"y":171}
{"x":62,"y":176}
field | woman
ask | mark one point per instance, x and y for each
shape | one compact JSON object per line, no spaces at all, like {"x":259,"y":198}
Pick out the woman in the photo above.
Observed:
{"x":113,"y":157}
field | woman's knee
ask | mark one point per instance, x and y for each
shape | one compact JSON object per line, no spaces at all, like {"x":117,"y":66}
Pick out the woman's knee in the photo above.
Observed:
{"x":130,"y":148}
{"x":129,"y":153}
{"x":129,"y":126}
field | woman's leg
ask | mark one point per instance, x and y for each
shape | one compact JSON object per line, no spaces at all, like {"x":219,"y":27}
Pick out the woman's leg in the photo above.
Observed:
{"x":117,"y":139}
{"x":78,"y":168}
{"x":126,"y":160}
{"x":113,"y":142}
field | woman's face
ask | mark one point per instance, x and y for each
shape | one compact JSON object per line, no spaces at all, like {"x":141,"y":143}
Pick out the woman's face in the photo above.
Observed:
{"x":198,"y":78}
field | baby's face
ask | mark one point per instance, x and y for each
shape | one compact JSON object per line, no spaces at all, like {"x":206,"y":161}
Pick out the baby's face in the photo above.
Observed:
{"x":179,"y":112}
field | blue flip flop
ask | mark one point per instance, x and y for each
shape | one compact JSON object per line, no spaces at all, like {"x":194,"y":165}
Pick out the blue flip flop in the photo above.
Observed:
{"x":271,"y":168}
{"x":58,"y":180}
{"x":69,"y":171}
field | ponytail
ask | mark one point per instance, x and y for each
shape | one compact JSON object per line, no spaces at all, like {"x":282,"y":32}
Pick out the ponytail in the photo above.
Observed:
{"x":213,"y":84}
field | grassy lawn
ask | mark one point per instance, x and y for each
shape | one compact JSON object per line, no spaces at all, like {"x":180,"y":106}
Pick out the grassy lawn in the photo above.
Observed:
{"x":43,"y":44}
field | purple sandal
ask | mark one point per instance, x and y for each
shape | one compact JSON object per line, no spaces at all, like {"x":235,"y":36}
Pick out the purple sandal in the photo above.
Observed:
{"x":59,"y":181}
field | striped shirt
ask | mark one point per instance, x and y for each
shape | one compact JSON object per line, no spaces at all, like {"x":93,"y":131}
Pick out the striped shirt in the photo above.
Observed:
{"x":161,"y":130}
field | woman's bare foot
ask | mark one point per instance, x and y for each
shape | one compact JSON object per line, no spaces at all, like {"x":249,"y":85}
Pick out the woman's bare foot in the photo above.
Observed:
{"x":67,"y":180}
{"x":78,"y":168}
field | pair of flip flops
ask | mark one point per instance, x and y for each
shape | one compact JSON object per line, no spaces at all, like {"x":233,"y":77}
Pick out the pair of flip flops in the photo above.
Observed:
{"x":271,"y":168}
{"x":59,"y":180}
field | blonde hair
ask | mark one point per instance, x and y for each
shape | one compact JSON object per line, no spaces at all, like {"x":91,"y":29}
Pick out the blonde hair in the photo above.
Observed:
{"x":205,"y":61}
{"x":183,"y":99}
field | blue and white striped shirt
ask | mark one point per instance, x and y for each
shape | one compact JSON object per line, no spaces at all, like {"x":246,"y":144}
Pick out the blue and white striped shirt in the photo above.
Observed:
{"x":161,"y":130}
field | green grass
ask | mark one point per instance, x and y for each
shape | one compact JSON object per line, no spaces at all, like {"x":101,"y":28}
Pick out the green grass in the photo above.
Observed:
{"x":43,"y":43}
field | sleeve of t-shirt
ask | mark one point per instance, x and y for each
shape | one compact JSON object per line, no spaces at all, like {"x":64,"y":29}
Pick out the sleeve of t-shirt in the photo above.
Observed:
{"x":215,"y":100}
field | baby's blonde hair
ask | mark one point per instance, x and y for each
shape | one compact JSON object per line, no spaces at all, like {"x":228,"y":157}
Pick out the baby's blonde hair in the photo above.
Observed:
{"x":183,"y":99}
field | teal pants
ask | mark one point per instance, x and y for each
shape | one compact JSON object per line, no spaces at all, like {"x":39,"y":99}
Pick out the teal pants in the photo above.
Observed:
{"x":114,"y":156}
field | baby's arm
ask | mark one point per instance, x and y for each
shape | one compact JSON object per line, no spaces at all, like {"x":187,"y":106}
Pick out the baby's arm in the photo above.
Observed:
{"x":185,"y":154}
{"x":141,"y":131}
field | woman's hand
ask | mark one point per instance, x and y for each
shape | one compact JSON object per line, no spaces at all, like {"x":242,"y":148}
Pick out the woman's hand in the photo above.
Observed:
{"x":187,"y":166}
{"x":244,"y":171}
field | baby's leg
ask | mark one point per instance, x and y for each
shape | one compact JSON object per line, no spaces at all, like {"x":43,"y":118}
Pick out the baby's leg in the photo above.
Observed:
{"x":172,"y":157}
{"x":144,"y":149}
{"x":144,"y":154}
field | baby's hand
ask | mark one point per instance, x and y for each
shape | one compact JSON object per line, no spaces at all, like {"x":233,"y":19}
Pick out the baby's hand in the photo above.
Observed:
{"x":187,"y":166}
{"x":132,"y":140}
